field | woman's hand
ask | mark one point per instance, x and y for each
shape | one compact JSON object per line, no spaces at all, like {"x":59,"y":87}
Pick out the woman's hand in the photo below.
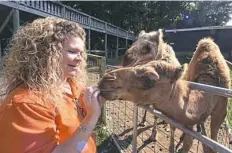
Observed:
{"x":93,"y":101}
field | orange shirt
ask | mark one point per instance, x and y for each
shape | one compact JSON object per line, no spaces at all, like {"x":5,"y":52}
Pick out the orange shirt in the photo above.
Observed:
{"x":29,"y":127}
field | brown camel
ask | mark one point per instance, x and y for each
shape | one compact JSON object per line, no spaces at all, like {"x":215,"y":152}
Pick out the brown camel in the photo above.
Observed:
{"x":161,"y":84}
{"x":149,"y":47}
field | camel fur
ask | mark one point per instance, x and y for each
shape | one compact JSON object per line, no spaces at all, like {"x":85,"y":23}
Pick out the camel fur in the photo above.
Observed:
{"x":161,"y":84}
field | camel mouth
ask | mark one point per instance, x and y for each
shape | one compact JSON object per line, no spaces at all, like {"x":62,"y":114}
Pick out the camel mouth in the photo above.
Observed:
{"x":106,"y":90}
{"x":108,"y":94}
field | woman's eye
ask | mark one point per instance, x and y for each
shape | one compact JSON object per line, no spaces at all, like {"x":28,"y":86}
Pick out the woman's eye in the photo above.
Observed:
{"x":71,"y":51}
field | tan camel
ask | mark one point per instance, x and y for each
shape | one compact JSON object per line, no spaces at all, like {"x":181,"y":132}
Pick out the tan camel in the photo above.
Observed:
{"x":161,"y":84}
{"x":149,"y":47}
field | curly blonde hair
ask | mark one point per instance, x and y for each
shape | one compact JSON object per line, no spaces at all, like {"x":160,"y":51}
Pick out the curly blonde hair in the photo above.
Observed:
{"x":35,"y":57}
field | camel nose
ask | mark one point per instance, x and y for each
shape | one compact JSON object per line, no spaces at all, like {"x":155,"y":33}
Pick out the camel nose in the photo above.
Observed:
{"x":109,"y":77}
{"x":106,"y":80}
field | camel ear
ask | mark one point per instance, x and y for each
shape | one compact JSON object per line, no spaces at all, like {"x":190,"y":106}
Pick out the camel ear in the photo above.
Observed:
{"x":160,"y":36}
{"x":141,"y":33}
{"x":147,"y":77}
{"x":155,"y":36}
{"x":178,"y":73}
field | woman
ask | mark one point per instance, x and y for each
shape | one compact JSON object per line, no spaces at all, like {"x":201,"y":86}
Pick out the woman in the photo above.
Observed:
{"x":47,"y":107}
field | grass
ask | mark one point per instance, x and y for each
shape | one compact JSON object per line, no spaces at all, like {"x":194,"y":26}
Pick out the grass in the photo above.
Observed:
{"x":104,"y":142}
{"x":101,"y":133}
{"x":229,"y":112}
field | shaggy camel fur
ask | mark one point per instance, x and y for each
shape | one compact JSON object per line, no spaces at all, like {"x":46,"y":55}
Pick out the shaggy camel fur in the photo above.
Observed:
{"x":149,"y":47}
{"x":161,"y":84}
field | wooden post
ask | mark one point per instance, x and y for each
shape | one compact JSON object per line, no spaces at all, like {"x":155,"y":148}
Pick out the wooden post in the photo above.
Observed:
{"x":102,"y":72}
{"x":116,"y":55}
{"x":135,"y":131}
{"x":63,"y":12}
{"x":1,"y":54}
{"x":106,"y":52}
{"x":89,"y":40}
{"x":6,"y":21}
{"x":230,"y":55}
{"x":16,"y":20}
{"x":126,"y":43}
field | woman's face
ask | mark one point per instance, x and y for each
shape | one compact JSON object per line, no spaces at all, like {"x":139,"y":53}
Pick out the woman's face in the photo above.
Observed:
{"x":72,"y":52}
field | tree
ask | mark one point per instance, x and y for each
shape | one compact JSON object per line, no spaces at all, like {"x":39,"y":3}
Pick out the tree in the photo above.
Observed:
{"x":207,"y":13}
{"x":151,"y":15}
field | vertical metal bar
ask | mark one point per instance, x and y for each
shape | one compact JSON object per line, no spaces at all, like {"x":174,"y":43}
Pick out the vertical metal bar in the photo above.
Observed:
{"x":16,"y":20}
{"x":4,"y":24}
{"x":106,"y":51}
{"x":125,"y":116}
{"x":32,"y":3}
{"x":116,"y":56}
{"x":41,"y":5}
{"x":111,"y":54}
{"x":126,"y":43}
{"x":172,"y":145}
{"x":135,"y":120}
{"x":63,"y":12}
{"x":45,"y":6}
{"x":89,"y":40}
{"x":1,"y":54}
{"x":102,"y":72}
{"x":230,"y":55}
{"x":90,"y":21}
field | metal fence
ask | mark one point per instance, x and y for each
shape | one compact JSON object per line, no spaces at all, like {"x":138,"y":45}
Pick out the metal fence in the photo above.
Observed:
{"x":95,"y":69}
{"x":123,"y":120}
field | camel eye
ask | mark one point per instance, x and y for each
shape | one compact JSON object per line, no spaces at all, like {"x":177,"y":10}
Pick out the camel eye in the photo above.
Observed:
{"x":148,"y":47}
{"x":147,"y":82}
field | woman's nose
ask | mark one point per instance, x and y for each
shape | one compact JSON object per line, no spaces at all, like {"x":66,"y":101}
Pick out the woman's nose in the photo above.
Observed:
{"x":78,"y":56}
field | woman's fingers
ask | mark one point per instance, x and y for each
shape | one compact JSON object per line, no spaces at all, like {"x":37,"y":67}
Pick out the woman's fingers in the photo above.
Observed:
{"x":101,"y":100}
{"x":90,"y":91}
{"x":94,"y":95}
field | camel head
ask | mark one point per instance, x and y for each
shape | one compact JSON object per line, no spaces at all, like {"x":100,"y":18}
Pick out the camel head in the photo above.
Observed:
{"x":144,"y":50}
{"x":143,"y":83}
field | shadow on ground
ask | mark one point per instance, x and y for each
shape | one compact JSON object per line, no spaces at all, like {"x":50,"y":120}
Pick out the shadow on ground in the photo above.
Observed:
{"x":107,"y":146}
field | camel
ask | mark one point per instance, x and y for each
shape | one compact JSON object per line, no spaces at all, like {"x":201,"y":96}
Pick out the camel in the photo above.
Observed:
{"x":149,"y":47}
{"x":161,"y":84}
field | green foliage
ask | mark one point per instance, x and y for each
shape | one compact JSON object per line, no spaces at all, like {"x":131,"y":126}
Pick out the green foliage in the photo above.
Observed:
{"x":151,"y":15}
{"x":101,"y":133}
{"x":207,"y":13}
{"x":229,"y":112}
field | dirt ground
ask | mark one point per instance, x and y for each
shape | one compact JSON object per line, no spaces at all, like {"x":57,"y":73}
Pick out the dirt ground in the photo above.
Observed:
{"x":120,"y":122}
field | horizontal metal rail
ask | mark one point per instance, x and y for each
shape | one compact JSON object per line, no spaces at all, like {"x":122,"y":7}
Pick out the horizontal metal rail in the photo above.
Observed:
{"x":199,"y":28}
{"x":205,"y":140}
{"x":213,"y":89}
{"x":112,"y":66}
